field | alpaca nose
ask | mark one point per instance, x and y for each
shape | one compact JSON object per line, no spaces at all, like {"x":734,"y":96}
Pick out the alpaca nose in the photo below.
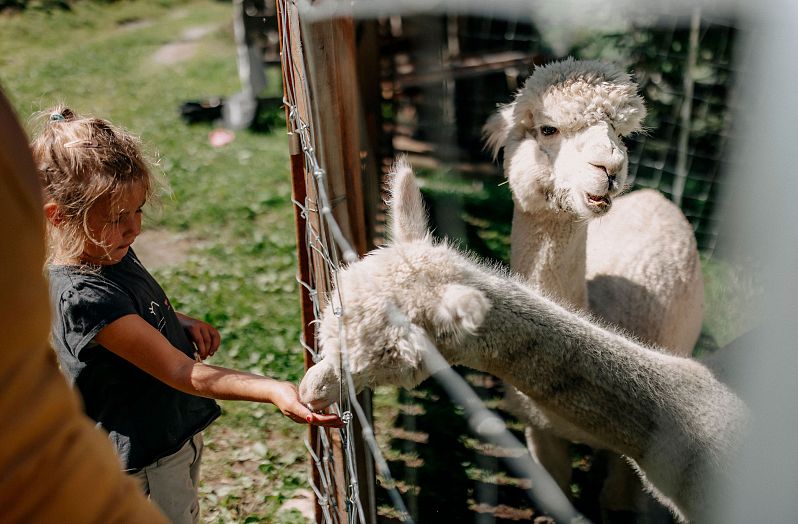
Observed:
{"x":611,"y":181}
{"x":611,"y":172}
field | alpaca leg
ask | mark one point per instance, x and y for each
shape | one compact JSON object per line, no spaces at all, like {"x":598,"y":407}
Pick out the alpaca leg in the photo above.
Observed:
{"x":624,"y":499}
{"x":553,"y":453}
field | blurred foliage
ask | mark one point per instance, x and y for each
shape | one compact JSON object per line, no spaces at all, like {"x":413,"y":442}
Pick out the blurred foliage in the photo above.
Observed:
{"x":657,"y":56}
{"x":44,"y":5}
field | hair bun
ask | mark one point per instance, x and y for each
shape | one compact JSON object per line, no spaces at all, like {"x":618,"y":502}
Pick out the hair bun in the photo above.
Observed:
{"x":61,"y":114}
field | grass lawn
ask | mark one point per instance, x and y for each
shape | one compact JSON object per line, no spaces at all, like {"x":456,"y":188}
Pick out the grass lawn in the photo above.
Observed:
{"x":134,"y":63}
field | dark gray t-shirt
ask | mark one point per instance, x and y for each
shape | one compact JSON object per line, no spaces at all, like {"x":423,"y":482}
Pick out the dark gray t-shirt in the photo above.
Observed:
{"x":145,"y":419}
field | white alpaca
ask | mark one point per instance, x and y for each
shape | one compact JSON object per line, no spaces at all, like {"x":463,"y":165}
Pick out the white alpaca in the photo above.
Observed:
{"x":667,"y":413}
{"x":565,"y":161}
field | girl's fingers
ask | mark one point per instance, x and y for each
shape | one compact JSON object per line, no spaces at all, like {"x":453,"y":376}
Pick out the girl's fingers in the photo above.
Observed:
{"x":206,"y":339}
{"x":302,"y":415}
{"x":216,"y":340}
{"x":328,"y":420}
{"x":200,"y":342}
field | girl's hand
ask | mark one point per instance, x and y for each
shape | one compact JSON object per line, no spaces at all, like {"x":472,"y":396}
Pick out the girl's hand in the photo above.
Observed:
{"x":286,"y":398}
{"x":204,"y":336}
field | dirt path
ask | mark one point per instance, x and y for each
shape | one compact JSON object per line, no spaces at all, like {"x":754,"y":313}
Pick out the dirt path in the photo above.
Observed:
{"x":158,"y":248}
{"x":184,"y":47}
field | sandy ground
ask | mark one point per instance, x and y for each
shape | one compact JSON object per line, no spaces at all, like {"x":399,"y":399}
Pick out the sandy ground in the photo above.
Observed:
{"x":159,"y":249}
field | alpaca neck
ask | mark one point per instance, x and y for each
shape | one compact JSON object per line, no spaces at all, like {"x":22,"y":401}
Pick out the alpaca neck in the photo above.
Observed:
{"x":548,"y":249}
{"x":623,"y":395}
{"x":667,"y":413}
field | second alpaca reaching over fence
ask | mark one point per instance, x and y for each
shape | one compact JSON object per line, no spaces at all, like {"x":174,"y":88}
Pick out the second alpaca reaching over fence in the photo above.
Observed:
{"x":565,"y":161}
{"x":667,"y":413}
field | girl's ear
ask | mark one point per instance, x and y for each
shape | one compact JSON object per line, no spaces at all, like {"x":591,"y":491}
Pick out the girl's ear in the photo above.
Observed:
{"x":53,"y":213}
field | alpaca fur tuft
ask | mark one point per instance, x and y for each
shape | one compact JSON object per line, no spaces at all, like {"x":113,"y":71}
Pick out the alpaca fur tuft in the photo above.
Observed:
{"x":575,"y":94}
{"x":495,"y":130}
{"x":462,"y":310}
{"x":409,"y":220}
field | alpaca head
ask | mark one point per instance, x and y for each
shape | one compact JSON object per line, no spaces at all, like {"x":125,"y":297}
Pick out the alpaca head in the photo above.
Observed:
{"x":396,"y":301}
{"x":562,"y":137}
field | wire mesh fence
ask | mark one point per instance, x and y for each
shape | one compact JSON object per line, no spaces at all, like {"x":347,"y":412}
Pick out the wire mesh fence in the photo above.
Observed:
{"x":446,"y":74}
{"x":334,"y":481}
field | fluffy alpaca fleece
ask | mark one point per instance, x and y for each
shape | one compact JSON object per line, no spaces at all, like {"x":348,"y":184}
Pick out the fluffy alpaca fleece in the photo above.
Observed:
{"x":566,"y":162}
{"x":667,"y":413}
{"x":652,"y":285}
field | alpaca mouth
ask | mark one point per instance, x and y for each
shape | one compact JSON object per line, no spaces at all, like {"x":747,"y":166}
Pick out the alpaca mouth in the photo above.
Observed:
{"x":599,"y":203}
{"x":318,"y":405}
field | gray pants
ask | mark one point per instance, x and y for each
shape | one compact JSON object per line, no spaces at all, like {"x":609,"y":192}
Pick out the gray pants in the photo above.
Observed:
{"x":171,"y":482}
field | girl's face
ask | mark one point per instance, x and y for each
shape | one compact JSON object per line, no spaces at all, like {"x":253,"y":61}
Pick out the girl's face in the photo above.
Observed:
{"x":114,"y":224}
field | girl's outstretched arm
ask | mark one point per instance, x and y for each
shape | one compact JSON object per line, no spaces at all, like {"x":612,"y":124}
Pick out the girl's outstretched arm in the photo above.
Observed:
{"x":135,"y":340}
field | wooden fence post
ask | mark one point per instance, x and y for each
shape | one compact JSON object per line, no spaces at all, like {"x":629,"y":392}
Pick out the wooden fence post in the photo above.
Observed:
{"x":328,"y":52}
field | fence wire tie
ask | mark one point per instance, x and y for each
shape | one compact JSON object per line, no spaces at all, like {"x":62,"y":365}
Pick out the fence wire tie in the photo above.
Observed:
{"x":303,"y":211}
{"x":314,"y":355}
{"x":346,"y":416}
{"x":311,"y":291}
{"x":323,"y":501}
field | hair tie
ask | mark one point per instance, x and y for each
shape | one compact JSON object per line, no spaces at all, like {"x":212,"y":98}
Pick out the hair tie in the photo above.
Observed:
{"x":57,"y":117}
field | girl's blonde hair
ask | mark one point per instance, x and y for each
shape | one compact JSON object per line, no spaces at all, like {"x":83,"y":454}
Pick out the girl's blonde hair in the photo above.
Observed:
{"x":79,"y":161}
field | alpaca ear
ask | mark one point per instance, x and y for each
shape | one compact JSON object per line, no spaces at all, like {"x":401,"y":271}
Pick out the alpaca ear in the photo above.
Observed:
{"x":496,"y":129}
{"x":407,"y":214}
{"x":462,"y":310}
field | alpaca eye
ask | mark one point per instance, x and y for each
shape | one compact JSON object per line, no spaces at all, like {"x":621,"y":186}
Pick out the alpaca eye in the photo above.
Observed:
{"x":548,"y":130}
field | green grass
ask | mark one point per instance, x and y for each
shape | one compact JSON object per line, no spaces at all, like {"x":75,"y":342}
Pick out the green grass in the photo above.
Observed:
{"x":99,"y":58}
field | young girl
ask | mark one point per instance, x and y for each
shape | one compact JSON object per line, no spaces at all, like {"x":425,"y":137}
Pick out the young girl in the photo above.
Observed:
{"x":119,"y":341}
